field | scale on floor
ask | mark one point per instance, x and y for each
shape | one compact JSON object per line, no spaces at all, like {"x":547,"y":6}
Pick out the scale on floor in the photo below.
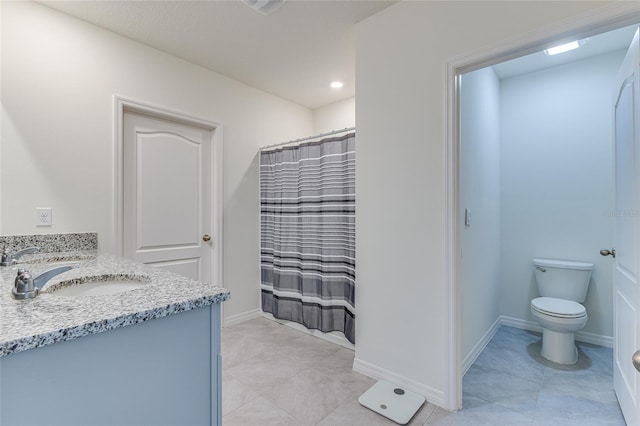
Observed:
{"x":392,"y":402}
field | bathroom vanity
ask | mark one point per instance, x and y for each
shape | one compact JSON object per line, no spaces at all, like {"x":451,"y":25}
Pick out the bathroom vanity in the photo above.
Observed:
{"x":146,"y":352}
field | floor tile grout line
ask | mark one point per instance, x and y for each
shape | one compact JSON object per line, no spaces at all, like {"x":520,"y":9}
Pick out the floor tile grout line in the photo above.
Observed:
{"x":510,"y":374}
{"x":535,"y":409}
{"x":237,"y":408}
{"x":431,"y":414}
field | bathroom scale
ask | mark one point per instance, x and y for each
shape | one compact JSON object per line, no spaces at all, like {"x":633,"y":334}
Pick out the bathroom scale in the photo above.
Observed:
{"x":392,"y":402}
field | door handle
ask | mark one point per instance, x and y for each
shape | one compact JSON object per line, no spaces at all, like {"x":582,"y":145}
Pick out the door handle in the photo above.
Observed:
{"x":636,"y":360}
{"x":607,"y":252}
{"x":206,"y":237}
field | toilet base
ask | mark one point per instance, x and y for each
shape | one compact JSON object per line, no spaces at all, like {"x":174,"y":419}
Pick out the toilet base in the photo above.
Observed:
{"x":559,"y":347}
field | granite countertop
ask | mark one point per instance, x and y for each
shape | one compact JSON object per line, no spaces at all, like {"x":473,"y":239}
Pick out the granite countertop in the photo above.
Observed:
{"x":51,"y":318}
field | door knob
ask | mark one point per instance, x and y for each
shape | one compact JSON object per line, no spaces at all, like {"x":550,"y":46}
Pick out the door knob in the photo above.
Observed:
{"x":607,"y":252}
{"x":636,"y":360}
{"x":206,"y":237}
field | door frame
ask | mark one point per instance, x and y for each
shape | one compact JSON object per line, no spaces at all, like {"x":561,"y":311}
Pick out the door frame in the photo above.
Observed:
{"x":597,"y":21}
{"x":121,"y":106}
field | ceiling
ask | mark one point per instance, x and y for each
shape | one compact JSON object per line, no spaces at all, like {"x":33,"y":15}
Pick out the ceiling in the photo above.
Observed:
{"x":293,"y":53}
{"x":603,"y":43}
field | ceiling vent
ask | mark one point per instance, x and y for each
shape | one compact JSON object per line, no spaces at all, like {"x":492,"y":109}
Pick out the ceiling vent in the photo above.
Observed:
{"x":266,"y":7}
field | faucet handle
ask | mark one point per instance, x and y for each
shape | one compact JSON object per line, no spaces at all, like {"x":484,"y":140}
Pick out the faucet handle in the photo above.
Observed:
{"x":24,"y":287}
{"x":6,"y":257}
{"x":22,"y":273}
{"x":27,"y":287}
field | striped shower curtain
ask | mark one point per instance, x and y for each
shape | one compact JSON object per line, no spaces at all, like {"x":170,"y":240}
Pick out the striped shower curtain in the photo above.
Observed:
{"x":307,"y":218}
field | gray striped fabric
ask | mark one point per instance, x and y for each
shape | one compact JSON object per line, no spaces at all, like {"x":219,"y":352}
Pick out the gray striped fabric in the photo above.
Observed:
{"x":307,"y":218}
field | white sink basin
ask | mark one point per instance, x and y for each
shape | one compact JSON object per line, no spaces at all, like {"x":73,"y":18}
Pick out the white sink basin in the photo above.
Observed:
{"x":97,"y":286}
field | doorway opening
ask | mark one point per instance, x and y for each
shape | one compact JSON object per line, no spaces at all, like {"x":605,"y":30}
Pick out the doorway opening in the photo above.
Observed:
{"x":471,"y":330}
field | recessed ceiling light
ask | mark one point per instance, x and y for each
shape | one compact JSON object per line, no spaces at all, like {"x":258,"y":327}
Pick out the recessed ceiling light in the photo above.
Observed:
{"x":566,"y":47}
{"x":336,"y":84}
{"x":266,"y":7}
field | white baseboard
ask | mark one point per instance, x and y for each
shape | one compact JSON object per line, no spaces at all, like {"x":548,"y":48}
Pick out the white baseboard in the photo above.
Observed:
{"x":581,"y":336}
{"x":595,"y":339}
{"x":333,"y":337}
{"x":432,"y":395}
{"x":520,"y":323}
{"x":479,"y":347}
{"x":241,"y":317}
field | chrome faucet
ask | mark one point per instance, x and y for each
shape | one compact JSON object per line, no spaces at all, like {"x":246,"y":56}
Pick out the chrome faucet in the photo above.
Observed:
{"x":27,"y":287}
{"x":9,"y":259}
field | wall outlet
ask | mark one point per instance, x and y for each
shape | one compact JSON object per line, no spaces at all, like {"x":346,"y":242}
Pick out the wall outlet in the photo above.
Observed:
{"x":43,"y":216}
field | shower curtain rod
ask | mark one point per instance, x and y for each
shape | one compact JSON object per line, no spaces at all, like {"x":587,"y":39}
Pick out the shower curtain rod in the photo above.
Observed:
{"x":346,"y":129}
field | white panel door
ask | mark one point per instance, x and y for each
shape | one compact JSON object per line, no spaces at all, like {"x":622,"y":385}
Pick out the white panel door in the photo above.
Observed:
{"x":627,"y":198}
{"x":167,"y":195}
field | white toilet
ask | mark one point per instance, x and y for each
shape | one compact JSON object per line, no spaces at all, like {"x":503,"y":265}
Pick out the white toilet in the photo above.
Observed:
{"x":562,"y":286}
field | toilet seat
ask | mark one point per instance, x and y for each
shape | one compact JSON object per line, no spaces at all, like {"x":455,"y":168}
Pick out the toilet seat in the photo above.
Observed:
{"x":558,"y":308}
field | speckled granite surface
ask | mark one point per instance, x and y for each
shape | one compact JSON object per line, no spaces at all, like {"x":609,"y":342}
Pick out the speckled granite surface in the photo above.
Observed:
{"x":51,"y":243}
{"x":51,"y":318}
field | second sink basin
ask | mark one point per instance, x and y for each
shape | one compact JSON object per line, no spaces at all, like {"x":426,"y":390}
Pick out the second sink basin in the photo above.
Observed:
{"x":98,"y":286}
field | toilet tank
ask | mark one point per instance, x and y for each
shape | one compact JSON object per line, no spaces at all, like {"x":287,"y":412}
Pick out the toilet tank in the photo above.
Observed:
{"x":563,"y":279}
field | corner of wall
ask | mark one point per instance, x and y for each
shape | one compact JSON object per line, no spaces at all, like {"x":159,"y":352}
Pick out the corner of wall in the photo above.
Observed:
{"x":434,"y":396}
{"x":335,"y":116}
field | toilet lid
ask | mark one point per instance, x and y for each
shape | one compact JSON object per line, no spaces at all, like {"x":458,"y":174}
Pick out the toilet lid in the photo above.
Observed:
{"x":558,"y":307}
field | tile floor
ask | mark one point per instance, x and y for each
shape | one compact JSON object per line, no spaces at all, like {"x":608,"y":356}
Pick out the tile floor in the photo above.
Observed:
{"x":274,"y":375}
{"x":539,"y":392}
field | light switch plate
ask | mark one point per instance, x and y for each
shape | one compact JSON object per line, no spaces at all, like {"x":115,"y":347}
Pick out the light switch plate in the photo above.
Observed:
{"x":43,"y":216}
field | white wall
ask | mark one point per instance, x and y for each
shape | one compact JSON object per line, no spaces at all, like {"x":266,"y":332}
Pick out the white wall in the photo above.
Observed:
{"x":401,"y":56}
{"x":480,"y":194}
{"x":59,"y":75}
{"x":335,"y":116}
{"x":557,"y":180}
